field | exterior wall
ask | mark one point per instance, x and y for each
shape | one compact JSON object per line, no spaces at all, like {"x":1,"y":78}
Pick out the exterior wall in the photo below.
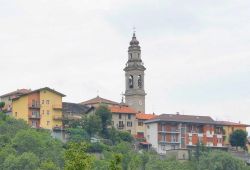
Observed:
{"x":229,"y":130}
{"x":51,"y":110}
{"x":152,"y":136}
{"x":140,"y":128}
{"x":166,"y":136}
{"x":34,"y":109}
{"x":20,"y":108}
{"x":8,"y":103}
{"x":125,"y":119}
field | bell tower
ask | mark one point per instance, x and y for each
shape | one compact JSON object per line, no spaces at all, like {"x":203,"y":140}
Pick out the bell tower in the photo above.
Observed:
{"x":134,"y":77}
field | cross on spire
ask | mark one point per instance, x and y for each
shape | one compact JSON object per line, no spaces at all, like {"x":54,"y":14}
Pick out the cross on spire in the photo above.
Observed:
{"x":134,"y":30}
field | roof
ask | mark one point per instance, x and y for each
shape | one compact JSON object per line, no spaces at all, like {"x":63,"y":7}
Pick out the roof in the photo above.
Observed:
{"x":98,"y":100}
{"x":17,"y":92}
{"x":74,"y":108}
{"x":122,"y":109}
{"x":44,"y":88}
{"x":145,"y":116}
{"x":227,"y":123}
{"x":182,"y":118}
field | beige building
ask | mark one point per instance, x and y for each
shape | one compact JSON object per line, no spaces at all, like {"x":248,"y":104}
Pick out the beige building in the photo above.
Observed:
{"x":7,"y":98}
{"x":140,"y":126}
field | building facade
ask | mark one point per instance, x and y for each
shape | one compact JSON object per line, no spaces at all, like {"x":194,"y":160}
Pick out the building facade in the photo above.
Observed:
{"x":7,"y":99}
{"x":170,"y":131}
{"x":141,"y":128}
{"x":134,"y":77}
{"x":40,"y":108}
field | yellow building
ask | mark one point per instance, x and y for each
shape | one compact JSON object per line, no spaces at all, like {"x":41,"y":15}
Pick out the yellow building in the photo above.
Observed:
{"x":229,"y":128}
{"x":40,"y":108}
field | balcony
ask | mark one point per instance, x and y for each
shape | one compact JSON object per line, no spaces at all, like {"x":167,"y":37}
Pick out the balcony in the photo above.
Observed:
{"x":169,"y":142}
{"x":34,"y":106}
{"x":170,"y":131}
{"x":34,"y":116}
{"x":120,"y":126}
{"x":57,"y":106}
{"x":57,"y":117}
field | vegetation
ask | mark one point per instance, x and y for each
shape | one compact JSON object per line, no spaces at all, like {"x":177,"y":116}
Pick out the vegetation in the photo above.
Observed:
{"x":24,"y":148}
{"x":2,"y":104}
{"x":238,"y":138}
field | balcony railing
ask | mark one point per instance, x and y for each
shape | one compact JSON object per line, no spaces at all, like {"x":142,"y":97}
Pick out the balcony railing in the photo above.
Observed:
{"x":36,"y":116}
{"x":57,"y":106}
{"x":169,"y":131}
{"x":34,"y":106}
{"x":57,"y":117}
{"x":169,"y":142}
{"x":120,"y":126}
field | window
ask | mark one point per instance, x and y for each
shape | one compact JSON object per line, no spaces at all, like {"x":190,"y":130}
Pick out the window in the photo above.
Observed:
{"x":120,"y":116}
{"x":131,"y":81}
{"x":48,"y":122}
{"x":47,"y":101}
{"x":140,"y":123}
{"x":47,"y":112}
{"x":42,"y":101}
{"x":121,"y":124}
{"x":16,"y":114}
{"x":129,"y":116}
{"x":148,"y":127}
{"x":129,"y":124}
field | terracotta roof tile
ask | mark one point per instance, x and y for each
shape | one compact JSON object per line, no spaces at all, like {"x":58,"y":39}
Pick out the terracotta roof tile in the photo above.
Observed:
{"x":122,"y":109}
{"x":97,"y":100}
{"x":145,"y":116}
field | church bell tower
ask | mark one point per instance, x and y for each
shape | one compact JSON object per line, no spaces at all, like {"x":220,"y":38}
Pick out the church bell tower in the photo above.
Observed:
{"x":134,"y":77}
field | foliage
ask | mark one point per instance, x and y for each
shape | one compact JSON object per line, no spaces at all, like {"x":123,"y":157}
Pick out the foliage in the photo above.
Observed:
{"x":77,"y":134}
{"x":97,"y":147}
{"x":21,"y":146}
{"x":76,"y":158}
{"x":105,"y":116}
{"x":2,"y":104}
{"x":218,"y":160}
{"x":115,"y":163}
{"x":238,"y":138}
{"x":92,"y":124}
{"x":117,"y":136}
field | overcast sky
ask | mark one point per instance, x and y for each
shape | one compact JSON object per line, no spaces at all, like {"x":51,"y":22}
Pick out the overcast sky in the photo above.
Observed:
{"x":197,"y":53}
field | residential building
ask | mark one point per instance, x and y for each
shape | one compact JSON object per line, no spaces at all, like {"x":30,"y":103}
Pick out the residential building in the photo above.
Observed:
{"x":229,"y":128}
{"x":124,"y":118}
{"x":7,"y":99}
{"x":175,"y":131}
{"x":41,"y":108}
{"x":140,"y":125}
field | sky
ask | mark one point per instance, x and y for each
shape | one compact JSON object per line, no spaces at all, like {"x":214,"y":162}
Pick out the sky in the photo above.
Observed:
{"x":197,"y":53}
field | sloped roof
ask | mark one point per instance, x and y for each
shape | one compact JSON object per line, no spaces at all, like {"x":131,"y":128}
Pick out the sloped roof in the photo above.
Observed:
{"x":98,"y":100}
{"x":74,"y":108}
{"x":122,"y":109}
{"x":44,"y":88}
{"x":144,"y":116}
{"x":17,"y":92}
{"x":227,"y":123}
{"x":182,"y":118}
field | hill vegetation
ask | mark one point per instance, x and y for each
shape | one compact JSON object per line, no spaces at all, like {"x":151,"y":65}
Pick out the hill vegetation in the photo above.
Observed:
{"x":25,"y":148}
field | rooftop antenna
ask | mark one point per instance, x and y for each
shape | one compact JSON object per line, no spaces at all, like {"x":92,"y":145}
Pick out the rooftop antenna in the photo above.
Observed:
{"x":122,"y":97}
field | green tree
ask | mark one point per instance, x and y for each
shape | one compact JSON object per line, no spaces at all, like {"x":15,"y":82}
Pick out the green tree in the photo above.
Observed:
{"x":92,"y":124}
{"x":238,"y":138}
{"x":2,"y":104}
{"x":48,"y":165}
{"x":115,"y":163}
{"x":218,"y":160}
{"x":76,"y":157}
{"x":25,"y":161}
{"x":105,"y":115}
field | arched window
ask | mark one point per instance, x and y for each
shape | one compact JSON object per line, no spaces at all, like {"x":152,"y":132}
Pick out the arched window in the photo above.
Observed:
{"x":139,"y":81}
{"x":131,"y":81}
